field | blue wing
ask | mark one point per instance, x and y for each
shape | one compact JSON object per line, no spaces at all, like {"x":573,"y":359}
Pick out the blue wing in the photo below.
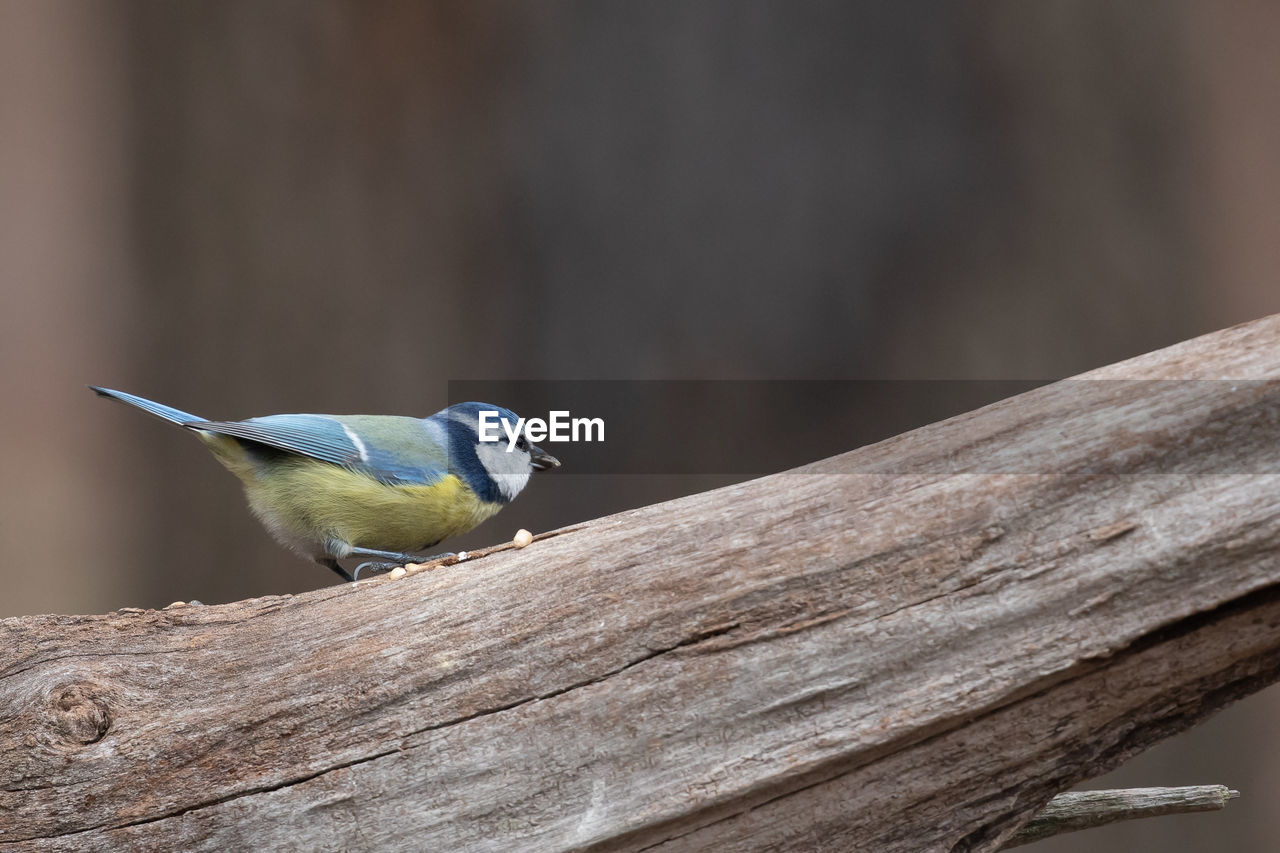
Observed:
{"x":394,"y":450}
{"x":160,"y":410}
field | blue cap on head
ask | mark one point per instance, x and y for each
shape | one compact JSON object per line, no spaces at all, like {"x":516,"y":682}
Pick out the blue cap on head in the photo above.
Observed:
{"x":499,"y":479}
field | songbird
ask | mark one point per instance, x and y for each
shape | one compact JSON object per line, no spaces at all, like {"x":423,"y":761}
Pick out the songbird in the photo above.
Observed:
{"x":366,"y":486}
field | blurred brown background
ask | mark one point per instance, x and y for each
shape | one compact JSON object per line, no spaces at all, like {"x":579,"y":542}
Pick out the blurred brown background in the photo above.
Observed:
{"x":242,"y":208}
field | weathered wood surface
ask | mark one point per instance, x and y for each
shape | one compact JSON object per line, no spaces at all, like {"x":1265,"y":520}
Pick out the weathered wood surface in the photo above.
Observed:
{"x":1076,"y":810}
{"x":908,"y":647}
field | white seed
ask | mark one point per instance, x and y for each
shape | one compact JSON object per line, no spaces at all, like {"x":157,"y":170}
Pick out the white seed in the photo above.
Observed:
{"x":522,"y":538}
{"x":397,"y":572}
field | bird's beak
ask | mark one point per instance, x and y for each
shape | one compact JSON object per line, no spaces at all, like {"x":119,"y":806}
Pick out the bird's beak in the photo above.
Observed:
{"x":540,"y":459}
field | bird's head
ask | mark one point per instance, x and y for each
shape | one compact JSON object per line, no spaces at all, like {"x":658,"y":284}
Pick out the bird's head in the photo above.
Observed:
{"x":489,"y":449}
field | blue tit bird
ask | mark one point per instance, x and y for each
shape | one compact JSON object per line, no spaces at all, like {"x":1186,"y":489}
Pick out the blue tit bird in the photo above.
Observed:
{"x":366,"y":486}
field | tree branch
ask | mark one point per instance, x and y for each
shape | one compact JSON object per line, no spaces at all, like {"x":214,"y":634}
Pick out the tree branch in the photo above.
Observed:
{"x":1077,"y":810}
{"x":912,"y":646}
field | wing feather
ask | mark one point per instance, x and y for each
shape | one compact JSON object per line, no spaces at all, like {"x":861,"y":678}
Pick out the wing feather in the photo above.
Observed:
{"x":415,"y":460}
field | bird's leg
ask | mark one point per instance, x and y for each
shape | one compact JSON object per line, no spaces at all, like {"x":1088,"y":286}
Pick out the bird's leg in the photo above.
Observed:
{"x":397,"y":558}
{"x":331,"y":563}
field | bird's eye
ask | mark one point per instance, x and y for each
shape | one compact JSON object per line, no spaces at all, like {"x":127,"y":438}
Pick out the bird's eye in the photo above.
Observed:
{"x":522,"y":443}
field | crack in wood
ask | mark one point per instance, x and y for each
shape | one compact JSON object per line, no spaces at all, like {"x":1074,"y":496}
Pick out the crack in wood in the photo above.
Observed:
{"x":699,"y":637}
{"x":1162,"y":714}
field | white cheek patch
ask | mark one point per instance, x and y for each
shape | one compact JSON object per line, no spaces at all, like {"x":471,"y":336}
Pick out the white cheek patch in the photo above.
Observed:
{"x":509,"y":471}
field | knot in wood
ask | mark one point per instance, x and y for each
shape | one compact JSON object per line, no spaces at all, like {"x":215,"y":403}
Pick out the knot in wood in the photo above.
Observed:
{"x":80,"y":713}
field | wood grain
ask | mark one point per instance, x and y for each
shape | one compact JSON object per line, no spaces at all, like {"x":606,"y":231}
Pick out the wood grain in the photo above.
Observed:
{"x":1076,"y":810}
{"x":908,"y":647}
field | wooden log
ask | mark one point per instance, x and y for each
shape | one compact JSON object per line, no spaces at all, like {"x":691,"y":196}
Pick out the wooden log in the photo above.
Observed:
{"x":912,"y":646}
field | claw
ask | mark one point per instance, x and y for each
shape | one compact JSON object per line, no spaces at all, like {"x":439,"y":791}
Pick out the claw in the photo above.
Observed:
{"x":376,"y":568}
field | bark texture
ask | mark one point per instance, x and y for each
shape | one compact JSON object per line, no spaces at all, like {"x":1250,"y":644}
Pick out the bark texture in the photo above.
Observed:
{"x":1076,"y":810}
{"x":912,"y":646}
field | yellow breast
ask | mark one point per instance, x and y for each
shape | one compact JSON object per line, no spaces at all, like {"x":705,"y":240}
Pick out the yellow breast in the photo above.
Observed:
{"x":306,"y":502}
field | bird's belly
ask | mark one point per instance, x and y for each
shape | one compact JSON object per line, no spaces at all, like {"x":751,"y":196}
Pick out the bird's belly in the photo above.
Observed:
{"x":306,"y":503}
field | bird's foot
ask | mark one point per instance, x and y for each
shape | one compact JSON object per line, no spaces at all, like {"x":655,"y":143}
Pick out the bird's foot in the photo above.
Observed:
{"x":373,"y":568}
{"x":435,"y":557}
{"x":381,"y":567}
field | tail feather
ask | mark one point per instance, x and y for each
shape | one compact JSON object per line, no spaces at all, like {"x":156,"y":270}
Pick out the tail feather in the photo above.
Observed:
{"x":160,"y":410}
